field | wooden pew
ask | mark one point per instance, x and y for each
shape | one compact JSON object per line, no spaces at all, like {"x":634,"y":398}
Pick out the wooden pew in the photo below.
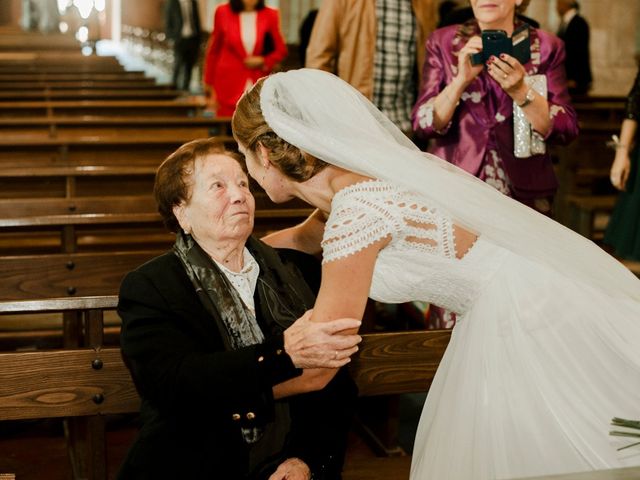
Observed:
{"x":583,"y":167}
{"x":183,"y":106}
{"x":80,"y":94}
{"x":584,"y":211}
{"x":97,"y":125}
{"x":86,"y":384}
{"x":104,"y":223}
{"x":9,"y":85}
{"x":47,"y":69}
{"x":77,"y":76}
{"x":22,"y":41}
{"x":71,"y":60}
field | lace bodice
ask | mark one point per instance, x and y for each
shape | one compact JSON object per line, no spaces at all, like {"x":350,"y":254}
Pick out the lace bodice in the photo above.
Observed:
{"x":419,"y":263}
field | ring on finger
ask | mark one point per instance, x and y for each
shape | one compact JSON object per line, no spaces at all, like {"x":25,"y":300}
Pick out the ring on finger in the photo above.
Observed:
{"x":335,"y":357}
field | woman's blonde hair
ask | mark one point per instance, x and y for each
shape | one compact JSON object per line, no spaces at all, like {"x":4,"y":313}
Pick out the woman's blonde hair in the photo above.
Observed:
{"x":251,"y":130}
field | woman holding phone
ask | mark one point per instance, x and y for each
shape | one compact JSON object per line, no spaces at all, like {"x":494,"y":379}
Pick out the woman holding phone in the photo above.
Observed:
{"x":493,"y":119}
{"x":469,"y":109}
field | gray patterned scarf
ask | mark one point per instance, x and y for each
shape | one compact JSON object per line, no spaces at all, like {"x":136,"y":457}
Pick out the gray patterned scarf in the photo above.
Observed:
{"x":285,"y":298}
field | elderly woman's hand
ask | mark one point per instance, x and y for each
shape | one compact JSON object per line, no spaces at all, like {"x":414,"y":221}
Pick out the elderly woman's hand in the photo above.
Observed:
{"x":321,"y":344}
{"x":509,"y":73}
{"x":291,"y":469}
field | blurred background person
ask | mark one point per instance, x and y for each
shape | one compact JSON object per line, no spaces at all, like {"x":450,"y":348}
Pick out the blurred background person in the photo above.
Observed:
{"x":376,"y":46}
{"x":574,"y":31}
{"x":246,"y":43}
{"x":306,"y":27}
{"x":623,"y":230}
{"x":182,"y":26}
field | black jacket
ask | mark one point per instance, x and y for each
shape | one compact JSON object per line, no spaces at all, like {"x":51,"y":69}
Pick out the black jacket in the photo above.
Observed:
{"x":577,"y":63}
{"x":196,"y":395}
{"x":173,"y":19}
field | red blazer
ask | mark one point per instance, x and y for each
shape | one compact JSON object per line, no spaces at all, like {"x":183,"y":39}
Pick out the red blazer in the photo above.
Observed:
{"x":224,"y":69}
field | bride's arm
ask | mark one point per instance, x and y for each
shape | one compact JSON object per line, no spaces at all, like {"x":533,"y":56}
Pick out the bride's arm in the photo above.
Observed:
{"x":305,"y":236}
{"x":344,"y":290}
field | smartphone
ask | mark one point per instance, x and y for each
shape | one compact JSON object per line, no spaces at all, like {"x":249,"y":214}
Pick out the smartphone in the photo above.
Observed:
{"x":495,"y":42}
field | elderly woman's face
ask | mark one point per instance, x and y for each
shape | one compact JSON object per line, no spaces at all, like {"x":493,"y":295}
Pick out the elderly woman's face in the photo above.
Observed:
{"x":221,"y":207}
{"x":494,"y":11}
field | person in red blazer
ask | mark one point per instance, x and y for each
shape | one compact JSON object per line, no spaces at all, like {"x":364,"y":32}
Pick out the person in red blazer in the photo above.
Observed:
{"x":245,"y":45}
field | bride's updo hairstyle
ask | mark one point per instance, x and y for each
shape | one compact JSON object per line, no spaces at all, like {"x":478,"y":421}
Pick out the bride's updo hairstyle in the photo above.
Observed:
{"x":250,"y":129}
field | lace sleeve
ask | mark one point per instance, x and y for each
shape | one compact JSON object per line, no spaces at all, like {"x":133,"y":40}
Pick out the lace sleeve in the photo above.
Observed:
{"x":351,"y":228}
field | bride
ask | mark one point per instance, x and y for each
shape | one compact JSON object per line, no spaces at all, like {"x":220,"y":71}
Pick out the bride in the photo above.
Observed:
{"x":546,"y":348}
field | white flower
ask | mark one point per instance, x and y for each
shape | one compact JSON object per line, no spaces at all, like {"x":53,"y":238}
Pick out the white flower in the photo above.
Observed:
{"x":475,"y":97}
{"x":425,"y":115}
{"x":555,"y":110}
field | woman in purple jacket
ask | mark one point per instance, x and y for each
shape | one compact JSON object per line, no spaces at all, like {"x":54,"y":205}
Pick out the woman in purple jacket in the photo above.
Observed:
{"x":494,"y":119}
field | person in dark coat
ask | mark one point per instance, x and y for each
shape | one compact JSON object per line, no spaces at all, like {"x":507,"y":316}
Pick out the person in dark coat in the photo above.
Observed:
{"x":574,"y":31}
{"x":182,"y":26}
{"x":212,"y":336}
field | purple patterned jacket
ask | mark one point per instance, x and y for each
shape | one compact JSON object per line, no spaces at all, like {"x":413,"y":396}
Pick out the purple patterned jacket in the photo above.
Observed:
{"x":484,"y":115}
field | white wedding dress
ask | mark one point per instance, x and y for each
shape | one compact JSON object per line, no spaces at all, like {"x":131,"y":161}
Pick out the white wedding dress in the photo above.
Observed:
{"x":537,"y":365}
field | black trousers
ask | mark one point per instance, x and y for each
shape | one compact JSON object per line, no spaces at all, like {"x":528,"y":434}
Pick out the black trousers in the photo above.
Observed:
{"x":185,"y":52}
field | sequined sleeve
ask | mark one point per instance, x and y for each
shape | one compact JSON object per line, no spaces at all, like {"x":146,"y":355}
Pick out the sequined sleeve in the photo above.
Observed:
{"x":632,"y":111}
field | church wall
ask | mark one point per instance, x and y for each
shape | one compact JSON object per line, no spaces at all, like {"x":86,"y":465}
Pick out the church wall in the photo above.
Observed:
{"x":615,"y":39}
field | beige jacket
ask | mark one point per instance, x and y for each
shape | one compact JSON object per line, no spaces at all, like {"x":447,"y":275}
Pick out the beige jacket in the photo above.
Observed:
{"x":344,"y":38}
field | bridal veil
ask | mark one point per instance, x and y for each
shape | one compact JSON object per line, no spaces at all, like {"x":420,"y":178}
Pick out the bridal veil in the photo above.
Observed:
{"x":326,"y":117}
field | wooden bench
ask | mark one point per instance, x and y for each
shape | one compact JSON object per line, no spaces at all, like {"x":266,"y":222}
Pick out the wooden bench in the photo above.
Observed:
{"x":107,"y":223}
{"x":86,"y":384}
{"x":59,"y":275}
{"x":182,"y":106}
{"x":71,"y":60}
{"x":584,"y":210}
{"x":23,"y":41}
{"x":633,"y":266}
{"x":99,"y":125}
{"x":583,"y":166}
{"x":104,"y":93}
{"x":56,"y":77}
{"x":46,"y":69}
{"x":27,"y":84}
{"x":608,"y":109}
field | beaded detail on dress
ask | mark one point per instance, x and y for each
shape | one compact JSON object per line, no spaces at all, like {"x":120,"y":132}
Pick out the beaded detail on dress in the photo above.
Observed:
{"x":419,"y":262}
{"x":377,"y":209}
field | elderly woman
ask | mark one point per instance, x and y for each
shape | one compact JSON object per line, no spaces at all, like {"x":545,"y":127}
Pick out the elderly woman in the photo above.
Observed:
{"x":209,"y":331}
